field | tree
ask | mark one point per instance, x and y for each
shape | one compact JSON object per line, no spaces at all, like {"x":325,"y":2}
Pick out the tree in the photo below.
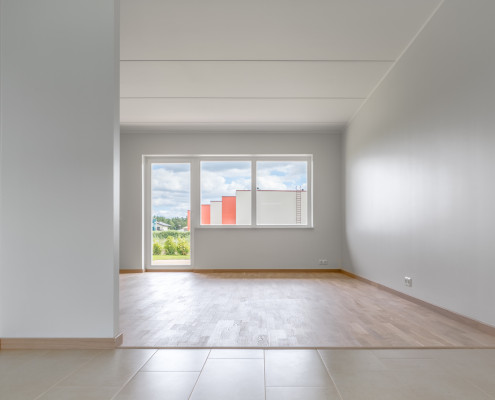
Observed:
{"x":176,"y":223}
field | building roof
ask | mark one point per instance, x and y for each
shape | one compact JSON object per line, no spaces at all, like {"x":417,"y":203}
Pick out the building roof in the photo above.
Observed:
{"x":162,"y":223}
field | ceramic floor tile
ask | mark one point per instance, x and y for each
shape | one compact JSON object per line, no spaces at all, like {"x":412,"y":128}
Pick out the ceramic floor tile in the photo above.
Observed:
{"x":401,"y":364}
{"x":33,"y":372}
{"x":236,"y":353}
{"x":110,"y":368}
{"x":371,"y":385}
{"x":475,"y":366}
{"x":40,"y":372}
{"x":399,"y":374}
{"x":178,"y":360}
{"x":159,"y":386}
{"x":301,"y":393}
{"x":229,"y":379}
{"x":468,"y":357}
{"x":22,"y":392}
{"x":438,"y":385}
{"x":405,"y":353}
{"x":11,"y":359}
{"x":80,"y":393}
{"x":295,"y":368}
{"x":351,"y":360}
{"x":484,"y":380}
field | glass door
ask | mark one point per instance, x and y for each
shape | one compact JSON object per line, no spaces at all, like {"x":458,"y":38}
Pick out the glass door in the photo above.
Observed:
{"x":170,"y":224}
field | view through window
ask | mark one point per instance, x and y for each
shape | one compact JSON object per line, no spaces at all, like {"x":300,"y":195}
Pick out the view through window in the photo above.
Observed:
{"x":281,"y":193}
{"x":225,"y":193}
{"x":171,"y":205}
{"x":220,"y":191}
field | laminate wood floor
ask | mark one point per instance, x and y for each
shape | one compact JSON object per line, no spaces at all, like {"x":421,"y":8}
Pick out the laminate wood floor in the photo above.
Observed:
{"x":278,"y":309}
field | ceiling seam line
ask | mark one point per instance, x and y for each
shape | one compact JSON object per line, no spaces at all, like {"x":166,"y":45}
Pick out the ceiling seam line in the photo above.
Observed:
{"x":256,"y":60}
{"x":387,"y":73}
{"x":242,"y":98}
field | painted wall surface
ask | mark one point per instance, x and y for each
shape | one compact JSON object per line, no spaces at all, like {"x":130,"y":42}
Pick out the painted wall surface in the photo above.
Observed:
{"x":59,"y":132}
{"x":420,"y":167}
{"x":245,"y":247}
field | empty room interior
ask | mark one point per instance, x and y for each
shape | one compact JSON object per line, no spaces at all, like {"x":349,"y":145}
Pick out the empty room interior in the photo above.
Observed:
{"x":247,"y":200}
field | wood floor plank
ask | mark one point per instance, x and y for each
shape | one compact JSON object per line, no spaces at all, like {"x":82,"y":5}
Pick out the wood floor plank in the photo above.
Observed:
{"x":279,"y":309}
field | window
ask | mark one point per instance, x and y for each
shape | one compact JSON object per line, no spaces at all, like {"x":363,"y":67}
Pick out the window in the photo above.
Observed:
{"x":225,"y":192}
{"x":278,"y":186}
{"x":181,"y":193}
{"x":170,"y":213}
{"x":281,"y":193}
{"x":185,"y":192}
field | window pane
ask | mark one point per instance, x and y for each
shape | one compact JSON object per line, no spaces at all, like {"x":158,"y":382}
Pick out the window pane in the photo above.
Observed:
{"x":170,"y":194}
{"x":225,"y":193}
{"x":281,"y":195}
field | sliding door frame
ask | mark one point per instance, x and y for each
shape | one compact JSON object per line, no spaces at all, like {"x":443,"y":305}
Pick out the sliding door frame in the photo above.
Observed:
{"x":147,"y":208}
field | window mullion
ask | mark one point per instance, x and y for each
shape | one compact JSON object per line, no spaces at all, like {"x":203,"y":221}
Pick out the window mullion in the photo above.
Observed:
{"x":253,"y":192}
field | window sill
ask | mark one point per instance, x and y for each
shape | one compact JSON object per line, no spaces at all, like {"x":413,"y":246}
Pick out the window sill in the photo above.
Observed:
{"x":254,"y":227}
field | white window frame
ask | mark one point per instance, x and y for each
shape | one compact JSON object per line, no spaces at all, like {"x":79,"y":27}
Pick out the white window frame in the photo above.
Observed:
{"x":308,"y":158}
{"x":195,"y":161}
{"x":147,"y":207}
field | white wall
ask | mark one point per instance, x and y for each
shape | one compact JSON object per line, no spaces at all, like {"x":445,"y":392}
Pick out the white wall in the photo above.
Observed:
{"x":241,"y":248}
{"x":59,"y":131}
{"x":420,"y":167}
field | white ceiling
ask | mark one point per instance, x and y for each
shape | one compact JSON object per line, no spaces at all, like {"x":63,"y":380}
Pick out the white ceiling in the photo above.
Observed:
{"x":259,"y":61}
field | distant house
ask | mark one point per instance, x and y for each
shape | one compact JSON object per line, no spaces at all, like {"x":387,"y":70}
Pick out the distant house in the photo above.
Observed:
{"x":162,"y":226}
{"x":284,"y":207}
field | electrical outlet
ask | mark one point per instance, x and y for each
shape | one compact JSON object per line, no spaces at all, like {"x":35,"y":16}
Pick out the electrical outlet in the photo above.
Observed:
{"x":322,"y":261}
{"x":408,"y":281}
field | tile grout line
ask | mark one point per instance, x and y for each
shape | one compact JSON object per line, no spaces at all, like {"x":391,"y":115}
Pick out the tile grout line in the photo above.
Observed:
{"x":66,"y":376}
{"x":330,"y":376}
{"x":199,"y":375}
{"x":133,"y":375}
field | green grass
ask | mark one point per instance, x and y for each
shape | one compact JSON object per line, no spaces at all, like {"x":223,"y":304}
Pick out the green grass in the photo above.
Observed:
{"x":162,"y":257}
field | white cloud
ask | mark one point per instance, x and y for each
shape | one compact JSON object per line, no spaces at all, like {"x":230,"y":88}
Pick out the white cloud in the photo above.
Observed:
{"x":223,"y":178}
{"x":170,"y":190}
{"x":281,"y":175}
{"x":214,"y":186}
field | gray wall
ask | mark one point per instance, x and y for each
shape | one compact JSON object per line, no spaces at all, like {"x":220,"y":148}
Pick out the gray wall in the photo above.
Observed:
{"x":420,"y":167}
{"x":241,"y":248}
{"x":59,"y":131}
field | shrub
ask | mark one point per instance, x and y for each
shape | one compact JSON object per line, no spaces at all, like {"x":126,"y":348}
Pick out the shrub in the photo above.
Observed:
{"x":157,"y":248}
{"x":170,"y":246}
{"x":183,"y":246}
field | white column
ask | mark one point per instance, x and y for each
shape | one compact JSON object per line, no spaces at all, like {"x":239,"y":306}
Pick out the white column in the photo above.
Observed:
{"x":59,"y":168}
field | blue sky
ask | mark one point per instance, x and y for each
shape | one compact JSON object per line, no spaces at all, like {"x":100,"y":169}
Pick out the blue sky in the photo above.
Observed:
{"x":171,"y":182}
